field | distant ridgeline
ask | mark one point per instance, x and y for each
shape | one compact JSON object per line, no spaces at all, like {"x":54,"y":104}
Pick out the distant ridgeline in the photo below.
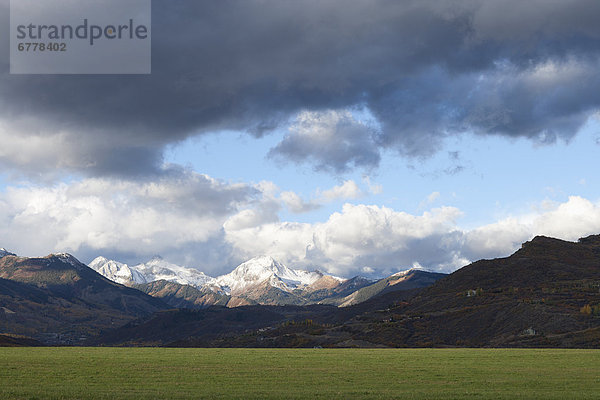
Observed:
{"x":47,"y":298}
{"x":261,"y":280}
{"x":547,"y":294}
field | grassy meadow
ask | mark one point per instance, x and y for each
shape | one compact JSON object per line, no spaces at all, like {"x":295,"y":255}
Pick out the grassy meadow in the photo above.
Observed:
{"x":160,"y":373}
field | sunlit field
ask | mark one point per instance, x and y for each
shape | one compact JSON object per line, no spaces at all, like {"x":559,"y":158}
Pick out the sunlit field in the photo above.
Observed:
{"x":142,"y":373}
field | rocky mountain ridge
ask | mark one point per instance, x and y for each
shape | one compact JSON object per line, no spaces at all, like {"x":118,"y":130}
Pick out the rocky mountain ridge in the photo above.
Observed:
{"x":261,"y":280}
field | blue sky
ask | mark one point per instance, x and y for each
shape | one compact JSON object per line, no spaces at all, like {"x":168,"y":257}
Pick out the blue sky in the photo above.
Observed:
{"x":496,"y":176}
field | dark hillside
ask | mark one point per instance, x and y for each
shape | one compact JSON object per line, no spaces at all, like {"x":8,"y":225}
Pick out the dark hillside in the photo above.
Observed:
{"x":58,"y":300}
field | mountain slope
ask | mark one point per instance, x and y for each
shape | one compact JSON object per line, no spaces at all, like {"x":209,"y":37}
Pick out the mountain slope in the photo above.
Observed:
{"x":183,"y":296}
{"x":57,"y":299}
{"x":405,"y":280}
{"x":326,"y":291}
{"x":535,"y":297}
{"x":263,"y":293}
{"x":18,"y":341}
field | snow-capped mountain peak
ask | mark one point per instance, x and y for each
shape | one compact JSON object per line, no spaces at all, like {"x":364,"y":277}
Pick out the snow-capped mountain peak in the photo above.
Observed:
{"x":155,"y":269}
{"x":116,"y":271}
{"x":260,"y":269}
{"x":246,"y":276}
{"x":4,"y":252}
{"x":408,"y":271}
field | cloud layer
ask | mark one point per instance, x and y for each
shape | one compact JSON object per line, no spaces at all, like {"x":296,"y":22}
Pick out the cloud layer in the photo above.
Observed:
{"x":425,"y":69}
{"x":333,"y":141}
{"x":212,"y":225}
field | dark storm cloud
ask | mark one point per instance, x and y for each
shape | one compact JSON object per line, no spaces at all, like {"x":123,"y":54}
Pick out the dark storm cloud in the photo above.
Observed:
{"x":425,"y":69}
{"x":332,"y":141}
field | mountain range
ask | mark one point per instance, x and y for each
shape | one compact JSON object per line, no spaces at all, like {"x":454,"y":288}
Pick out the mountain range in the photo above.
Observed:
{"x":261,"y":280}
{"x":58,"y":300}
{"x":154,"y":270}
{"x":546,"y":294}
{"x":247,"y":274}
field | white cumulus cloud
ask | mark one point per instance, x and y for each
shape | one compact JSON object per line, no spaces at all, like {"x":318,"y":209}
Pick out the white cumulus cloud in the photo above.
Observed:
{"x":202,"y":222}
{"x":347,"y":190}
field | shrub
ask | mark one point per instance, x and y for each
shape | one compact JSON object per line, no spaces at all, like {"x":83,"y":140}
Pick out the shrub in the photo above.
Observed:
{"x":587,"y":309}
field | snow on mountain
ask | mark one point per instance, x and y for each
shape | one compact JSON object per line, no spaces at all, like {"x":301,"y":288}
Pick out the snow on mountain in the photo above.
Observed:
{"x":246,"y":275}
{"x":157,"y":269}
{"x":264,"y":268}
{"x":69,"y":259}
{"x":4,"y":252}
{"x":409,"y":271}
{"x":116,"y":271}
{"x":153,"y":270}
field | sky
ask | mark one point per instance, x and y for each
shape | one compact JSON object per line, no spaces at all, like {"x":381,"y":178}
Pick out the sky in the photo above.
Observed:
{"x":357,"y":138}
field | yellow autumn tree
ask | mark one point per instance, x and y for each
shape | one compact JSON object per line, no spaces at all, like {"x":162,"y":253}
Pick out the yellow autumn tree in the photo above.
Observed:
{"x":586,"y":309}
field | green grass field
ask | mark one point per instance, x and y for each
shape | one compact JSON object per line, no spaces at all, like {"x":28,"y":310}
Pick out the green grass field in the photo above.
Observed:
{"x":147,"y":373}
